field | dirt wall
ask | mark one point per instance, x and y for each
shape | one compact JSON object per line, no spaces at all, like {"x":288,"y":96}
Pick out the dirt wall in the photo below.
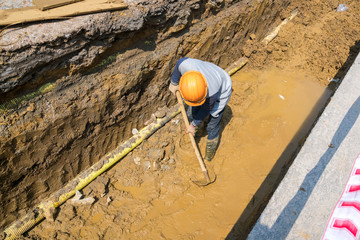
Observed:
{"x":106,"y":78}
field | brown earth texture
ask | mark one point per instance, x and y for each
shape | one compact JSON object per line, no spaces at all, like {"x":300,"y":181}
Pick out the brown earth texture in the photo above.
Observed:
{"x":277,"y":98}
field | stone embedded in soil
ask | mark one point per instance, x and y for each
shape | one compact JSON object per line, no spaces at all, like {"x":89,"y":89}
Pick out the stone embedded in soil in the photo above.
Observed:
{"x":155,"y":166}
{"x":137,"y":161}
{"x":252,"y":36}
{"x":160,"y":113}
{"x":165,"y":167}
{"x":147,"y":165}
{"x":78,"y":200}
{"x":50,"y":213}
{"x":85,"y":201}
{"x":134,"y":131}
{"x":31,"y":107}
{"x":104,"y":180}
{"x":171,"y":161}
{"x":175,"y":121}
{"x":67,"y":212}
{"x":108,"y":200}
{"x":99,"y":187}
{"x":151,"y":120}
{"x":156,"y":154}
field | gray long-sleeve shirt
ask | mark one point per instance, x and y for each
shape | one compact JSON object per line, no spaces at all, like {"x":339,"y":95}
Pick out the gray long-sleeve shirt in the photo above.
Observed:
{"x":218,"y":82}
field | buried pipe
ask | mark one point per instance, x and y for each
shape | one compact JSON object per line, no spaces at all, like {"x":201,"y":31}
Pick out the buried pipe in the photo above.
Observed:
{"x":47,"y":207}
{"x":84,"y":178}
{"x":276,"y":31}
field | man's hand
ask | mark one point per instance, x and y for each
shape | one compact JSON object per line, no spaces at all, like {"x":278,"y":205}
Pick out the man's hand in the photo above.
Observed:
{"x":191,"y":129}
{"x":173,"y":88}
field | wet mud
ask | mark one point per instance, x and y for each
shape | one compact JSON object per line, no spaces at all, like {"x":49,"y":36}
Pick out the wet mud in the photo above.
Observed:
{"x":50,"y":136}
{"x":277,"y":97}
{"x":152,"y":191}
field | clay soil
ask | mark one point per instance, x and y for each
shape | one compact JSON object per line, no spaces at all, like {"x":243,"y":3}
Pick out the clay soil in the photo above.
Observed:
{"x":149,"y":194}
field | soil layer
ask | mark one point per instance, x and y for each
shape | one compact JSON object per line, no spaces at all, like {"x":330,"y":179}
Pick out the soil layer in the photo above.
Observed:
{"x":277,"y":98}
{"x":149,"y":194}
{"x":70,"y":97}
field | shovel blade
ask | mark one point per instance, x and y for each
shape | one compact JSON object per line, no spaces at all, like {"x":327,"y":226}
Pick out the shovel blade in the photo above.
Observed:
{"x":205,"y":182}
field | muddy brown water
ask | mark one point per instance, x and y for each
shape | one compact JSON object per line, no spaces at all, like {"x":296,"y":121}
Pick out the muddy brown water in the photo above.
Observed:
{"x":266,"y":114}
{"x":252,"y":142}
{"x":264,"y":123}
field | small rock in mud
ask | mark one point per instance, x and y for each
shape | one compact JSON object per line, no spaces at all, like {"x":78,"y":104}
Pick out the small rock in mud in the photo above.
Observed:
{"x":100,"y":186}
{"x":31,"y":107}
{"x":151,"y":120}
{"x":108,"y":200}
{"x":156,"y":154}
{"x":269,"y":49}
{"x":160,"y":113}
{"x":155,"y":166}
{"x":67,"y":212}
{"x":252,"y":36}
{"x":137,"y":161}
{"x":175,"y":121}
{"x":165,"y":167}
{"x":134,"y":131}
{"x":85,"y":201}
{"x":103,"y":185}
{"x":164,"y":144}
{"x":50,"y":213}
{"x":171,"y":161}
{"x":147,"y":165}
{"x":247,"y":51}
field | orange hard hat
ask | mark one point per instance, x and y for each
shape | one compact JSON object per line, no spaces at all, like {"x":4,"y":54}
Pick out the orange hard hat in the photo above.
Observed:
{"x":193,"y":88}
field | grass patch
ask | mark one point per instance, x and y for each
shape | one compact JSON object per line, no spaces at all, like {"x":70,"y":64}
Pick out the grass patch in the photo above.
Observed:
{"x":18,"y":100}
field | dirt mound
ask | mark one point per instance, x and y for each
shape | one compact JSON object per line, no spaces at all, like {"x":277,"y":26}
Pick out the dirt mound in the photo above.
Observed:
{"x":319,"y":41}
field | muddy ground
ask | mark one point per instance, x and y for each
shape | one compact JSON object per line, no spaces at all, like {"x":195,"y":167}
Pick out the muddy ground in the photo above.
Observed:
{"x":69,"y":97}
{"x":149,"y":193}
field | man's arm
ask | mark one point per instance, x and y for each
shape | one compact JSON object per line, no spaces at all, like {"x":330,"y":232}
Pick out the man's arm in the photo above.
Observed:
{"x":176,"y":75}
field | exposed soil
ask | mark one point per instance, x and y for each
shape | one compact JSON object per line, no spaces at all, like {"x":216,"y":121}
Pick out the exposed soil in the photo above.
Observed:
{"x":104,"y":75}
{"x":149,"y":193}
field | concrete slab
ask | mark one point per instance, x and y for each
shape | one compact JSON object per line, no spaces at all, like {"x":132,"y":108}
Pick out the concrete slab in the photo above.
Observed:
{"x":303,"y":202}
{"x":11,"y":4}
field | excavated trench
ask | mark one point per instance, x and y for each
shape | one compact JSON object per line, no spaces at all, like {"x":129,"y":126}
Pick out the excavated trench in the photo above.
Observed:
{"x":62,"y":114}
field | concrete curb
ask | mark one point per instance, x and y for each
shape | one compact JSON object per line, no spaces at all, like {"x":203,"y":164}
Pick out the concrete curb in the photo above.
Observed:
{"x":302,"y":204}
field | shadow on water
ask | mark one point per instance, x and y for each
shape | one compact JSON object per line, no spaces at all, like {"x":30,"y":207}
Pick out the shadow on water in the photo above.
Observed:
{"x":286,"y":219}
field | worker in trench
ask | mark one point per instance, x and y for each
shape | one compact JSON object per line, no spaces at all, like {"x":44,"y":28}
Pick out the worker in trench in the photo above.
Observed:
{"x":206,"y":89}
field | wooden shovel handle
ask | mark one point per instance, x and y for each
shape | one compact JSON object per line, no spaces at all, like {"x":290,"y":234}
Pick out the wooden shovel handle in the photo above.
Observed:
{"x":192,"y":139}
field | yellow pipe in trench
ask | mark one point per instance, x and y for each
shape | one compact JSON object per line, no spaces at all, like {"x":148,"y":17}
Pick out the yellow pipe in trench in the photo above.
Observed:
{"x":37,"y":214}
{"x":84,"y":178}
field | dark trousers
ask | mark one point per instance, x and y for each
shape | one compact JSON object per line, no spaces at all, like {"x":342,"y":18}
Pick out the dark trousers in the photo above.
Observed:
{"x":213,"y":124}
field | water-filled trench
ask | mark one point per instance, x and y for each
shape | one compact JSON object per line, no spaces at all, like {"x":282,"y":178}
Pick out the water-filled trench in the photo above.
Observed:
{"x":253,"y":140}
{"x":269,"y":111}
{"x":276,"y":100}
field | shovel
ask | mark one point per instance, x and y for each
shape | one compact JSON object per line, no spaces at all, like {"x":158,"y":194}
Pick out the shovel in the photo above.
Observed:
{"x":207,"y":179}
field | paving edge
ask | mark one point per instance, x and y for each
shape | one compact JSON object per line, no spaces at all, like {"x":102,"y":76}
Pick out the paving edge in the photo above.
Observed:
{"x":302,"y":204}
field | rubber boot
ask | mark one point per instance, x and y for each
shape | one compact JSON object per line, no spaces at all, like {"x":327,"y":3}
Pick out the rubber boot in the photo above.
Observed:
{"x":211,"y":147}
